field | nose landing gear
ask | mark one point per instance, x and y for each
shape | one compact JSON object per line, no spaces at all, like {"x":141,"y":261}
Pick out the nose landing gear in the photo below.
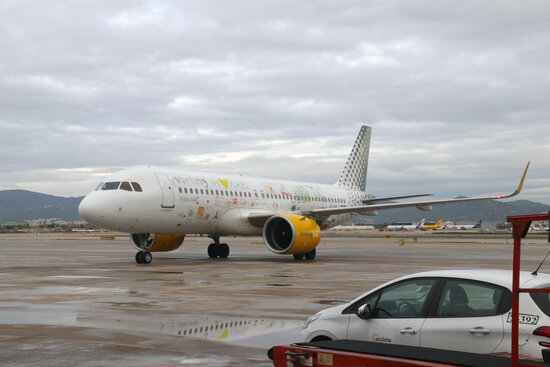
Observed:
{"x":144,"y":257}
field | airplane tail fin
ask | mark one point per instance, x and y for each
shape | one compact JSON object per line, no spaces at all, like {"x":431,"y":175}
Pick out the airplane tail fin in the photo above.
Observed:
{"x":478,"y":224}
{"x":355,"y":171}
{"x":438,"y":224}
{"x":420,"y":224}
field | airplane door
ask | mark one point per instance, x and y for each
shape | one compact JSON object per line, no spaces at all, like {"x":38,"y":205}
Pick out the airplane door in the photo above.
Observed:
{"x":166,"y":190}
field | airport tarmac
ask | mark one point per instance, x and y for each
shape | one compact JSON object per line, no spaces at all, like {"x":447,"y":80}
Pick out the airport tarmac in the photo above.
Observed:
{"x":73,"y":299}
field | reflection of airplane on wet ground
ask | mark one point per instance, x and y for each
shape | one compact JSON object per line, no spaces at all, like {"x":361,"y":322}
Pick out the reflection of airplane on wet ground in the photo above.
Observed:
{"x":158,"y":207}
{"x":433,"y":226}
{"x":405,"y":226}
{"x":463,"y":226}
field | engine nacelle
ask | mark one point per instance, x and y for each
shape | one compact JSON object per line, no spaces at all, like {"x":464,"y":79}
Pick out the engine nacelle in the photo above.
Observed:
{"x":291,"y":234}
{"x":156,"y":242}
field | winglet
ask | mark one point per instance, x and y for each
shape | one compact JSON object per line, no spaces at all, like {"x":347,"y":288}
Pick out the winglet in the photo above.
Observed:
{"x":520,"y":186}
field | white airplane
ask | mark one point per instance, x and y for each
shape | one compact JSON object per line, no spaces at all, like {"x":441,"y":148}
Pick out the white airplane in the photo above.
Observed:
{"x":464,"y":226}
{"x":406,"y":226}
{"x":158,"y":207}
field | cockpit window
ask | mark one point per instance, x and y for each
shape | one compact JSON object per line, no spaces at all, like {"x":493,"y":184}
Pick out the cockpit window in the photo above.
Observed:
{"x":111,"y":185}
{"x":137,"y":187}
{"x":125,"y":185}
{"x":99,"y":186}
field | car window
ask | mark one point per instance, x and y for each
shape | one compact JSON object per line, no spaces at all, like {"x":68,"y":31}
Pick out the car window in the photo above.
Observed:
{"x":542,"y":300}
{"x":403,"y":300}
{"x":467,"y":298}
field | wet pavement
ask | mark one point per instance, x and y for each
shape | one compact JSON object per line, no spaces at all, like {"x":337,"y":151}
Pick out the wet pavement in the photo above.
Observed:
{"x":80,"y":299}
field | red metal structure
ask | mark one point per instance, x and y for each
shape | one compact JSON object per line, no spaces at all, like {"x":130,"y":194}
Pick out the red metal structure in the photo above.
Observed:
{"x":520,"y":227}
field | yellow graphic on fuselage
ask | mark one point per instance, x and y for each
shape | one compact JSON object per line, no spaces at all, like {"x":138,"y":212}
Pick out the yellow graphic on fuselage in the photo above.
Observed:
{"x":225,"y":183}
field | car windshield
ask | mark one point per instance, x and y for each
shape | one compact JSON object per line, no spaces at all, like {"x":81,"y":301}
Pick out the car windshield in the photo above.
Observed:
{"x":542,"y":300}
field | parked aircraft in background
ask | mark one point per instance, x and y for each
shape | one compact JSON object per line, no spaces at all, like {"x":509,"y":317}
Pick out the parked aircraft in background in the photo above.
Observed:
{"x":463,"y":226}
{"x":432,"y":226}
{"x":158,"y":207}
{"x":405,"y":226}
{"x":539,"y":226}
{"x":342,"y":228}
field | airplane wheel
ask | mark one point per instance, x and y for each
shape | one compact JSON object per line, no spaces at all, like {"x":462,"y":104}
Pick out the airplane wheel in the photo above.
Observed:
{"x":298,"y":256}
{"x":147,"y":258}
{"x":223,"y":250}
{"x":212,"y":250}
{"x":311,"y":255}
{"x":139,"y":257}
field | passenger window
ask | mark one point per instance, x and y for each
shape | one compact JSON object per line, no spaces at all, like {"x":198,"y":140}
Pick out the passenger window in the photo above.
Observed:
{"x":403,"y":300}
{"x":99,"y":186}
{"x":466,"y":298}
{"x":185,"y":190}
{"x":111,"y":185}
{"x":137,"y":187}
{"x":231,"y":193}
{"x":180,"y":190}
{"x":202,"y":192}
{"x":125,"y":185}
{"x":217,"y":192}
{"x":196,"y":191}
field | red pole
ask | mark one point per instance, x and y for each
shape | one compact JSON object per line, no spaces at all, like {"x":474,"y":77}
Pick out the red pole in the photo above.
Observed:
{"x":515,"y":293}
{"x":521,"y":224}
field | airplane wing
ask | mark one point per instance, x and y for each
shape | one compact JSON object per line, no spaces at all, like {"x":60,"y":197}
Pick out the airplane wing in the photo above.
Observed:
{"x":259,"y":218}
{"x":375,"y":200}
{"x":423,"y":205}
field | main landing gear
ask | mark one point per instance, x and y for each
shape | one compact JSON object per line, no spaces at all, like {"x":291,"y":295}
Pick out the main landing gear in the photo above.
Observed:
{"x":308,"y":255}
{"x":144,"y":257}
{"x":217,"y":249}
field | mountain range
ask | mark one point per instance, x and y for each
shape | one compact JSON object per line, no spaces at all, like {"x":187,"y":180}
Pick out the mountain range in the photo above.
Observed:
{"x":21,"y":205}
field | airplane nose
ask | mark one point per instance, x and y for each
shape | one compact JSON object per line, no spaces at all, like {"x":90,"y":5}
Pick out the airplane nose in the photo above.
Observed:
{"x":88,"y":210}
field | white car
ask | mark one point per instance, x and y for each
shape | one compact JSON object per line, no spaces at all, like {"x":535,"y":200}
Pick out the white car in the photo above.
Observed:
{"x":464,"y":310}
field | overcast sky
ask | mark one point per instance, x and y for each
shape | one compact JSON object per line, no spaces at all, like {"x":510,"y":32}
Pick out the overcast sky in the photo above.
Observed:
{"x":457,"y":93}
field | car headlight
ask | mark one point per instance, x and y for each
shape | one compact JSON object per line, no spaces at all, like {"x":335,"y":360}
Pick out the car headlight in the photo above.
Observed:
{"x":310,"y":320}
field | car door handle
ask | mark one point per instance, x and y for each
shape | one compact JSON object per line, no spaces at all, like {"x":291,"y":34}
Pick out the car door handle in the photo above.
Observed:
{"x":408,"y":330}
{"x":479,"y":330}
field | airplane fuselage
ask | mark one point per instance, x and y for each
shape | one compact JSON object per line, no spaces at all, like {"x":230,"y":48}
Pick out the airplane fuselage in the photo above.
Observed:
{"x":185,"y":202}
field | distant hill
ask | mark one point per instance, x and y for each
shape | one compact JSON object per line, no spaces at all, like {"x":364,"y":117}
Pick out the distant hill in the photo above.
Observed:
{"x":487,"y":210}
{"x":20,"y":205}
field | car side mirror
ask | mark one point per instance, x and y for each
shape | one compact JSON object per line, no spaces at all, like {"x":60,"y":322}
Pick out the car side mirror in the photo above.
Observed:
{"x":364,"y":311}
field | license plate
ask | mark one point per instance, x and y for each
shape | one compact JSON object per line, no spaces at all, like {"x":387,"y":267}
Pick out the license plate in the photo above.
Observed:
{"x":525,"y":318}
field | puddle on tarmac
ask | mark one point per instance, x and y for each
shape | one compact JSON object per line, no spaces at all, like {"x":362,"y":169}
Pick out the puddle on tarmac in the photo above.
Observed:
{"x":331,"y":302}
{"x":278,"y":285}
